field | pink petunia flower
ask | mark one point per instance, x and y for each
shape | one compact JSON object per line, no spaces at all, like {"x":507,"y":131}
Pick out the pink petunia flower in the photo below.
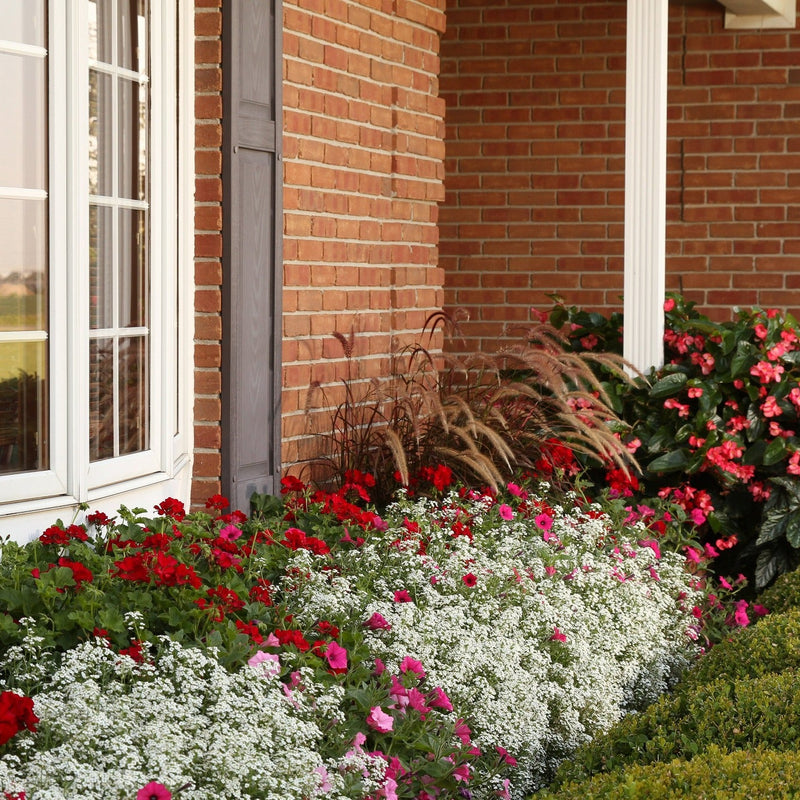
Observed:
{"x":740,"y":614}
{"x":377,"y":623}
{"x":439,"y":699}
{"x":379,"y":720}
{"x":469,"y":579}
{"x":336,"y":656}
{"x":402,"y":596}
{"x":229,"y":533}
{"x":544,"y":522}
{"x":505,"y":511}
{"x":271,"y":660}
{"x":409,"y":664}
{"x":558,"y":636}
{"x":154,"y":791}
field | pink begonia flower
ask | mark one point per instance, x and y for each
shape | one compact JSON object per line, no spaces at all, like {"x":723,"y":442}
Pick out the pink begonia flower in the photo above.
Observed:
{"x":544,"y":522}
{"x":439,"y":699}
{"x":633,"y":445}
{"x":271,"y":662}
{"x":229,"y":533}
{"x":761,"y":331}
{"x":669,"y":304}
{"x":402,"y":596}
{"x":558,"y":636}
{"x":505,"y":512}
{"x":377,"y":623}
{"x":409,"y":664}
{"x":153,"y":791}
{"x":379,"y":720}
{"x":336,"y":656}
{"x":740,"y":614}
{"x":770,"y":407}
{"x":695,"y":391}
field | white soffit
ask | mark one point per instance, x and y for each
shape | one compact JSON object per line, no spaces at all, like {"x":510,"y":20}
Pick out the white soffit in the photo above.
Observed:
{"x":754,"y":14}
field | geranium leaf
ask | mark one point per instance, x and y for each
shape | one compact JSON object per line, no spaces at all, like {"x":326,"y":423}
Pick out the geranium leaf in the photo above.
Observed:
{"x":668,"y":385}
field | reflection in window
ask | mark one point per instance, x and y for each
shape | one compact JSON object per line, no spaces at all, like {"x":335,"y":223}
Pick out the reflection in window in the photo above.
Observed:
{"x":23,"y":232}
{"x":119,"y":220}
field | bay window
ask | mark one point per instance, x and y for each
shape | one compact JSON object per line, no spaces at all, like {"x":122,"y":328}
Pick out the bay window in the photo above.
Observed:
{"x":94,"y":183}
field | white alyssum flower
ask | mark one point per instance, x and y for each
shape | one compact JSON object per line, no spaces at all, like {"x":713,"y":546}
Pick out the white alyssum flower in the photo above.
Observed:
{"x":566,"y":627}
{"x":108,"y":726}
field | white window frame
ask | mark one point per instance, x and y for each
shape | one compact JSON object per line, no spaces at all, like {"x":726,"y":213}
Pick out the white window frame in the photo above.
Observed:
{"x":30,"y":501}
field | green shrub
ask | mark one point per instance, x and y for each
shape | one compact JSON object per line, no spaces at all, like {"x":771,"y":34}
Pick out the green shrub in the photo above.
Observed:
{"x":716,"y":775}
{"x":742,"y":713}
{"x":771,"y":646}
{"x":784,"y":594}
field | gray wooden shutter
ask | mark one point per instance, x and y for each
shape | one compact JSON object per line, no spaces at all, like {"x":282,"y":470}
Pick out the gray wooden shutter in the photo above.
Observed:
{"x":252,"y":264}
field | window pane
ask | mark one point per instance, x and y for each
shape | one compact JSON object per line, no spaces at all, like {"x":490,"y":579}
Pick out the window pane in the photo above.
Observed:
{"x":100,"y":27}
{"x":101,"y":133}
{"x":101,"y":267}
{"x":133,"y":392}
{"x":23,"y":21}
{"x":134,"y":278}
{"x":133,"y":126}
{"x":101,"y":399}
{"x":23,"y":88}
{"x":132,"y":33}
{"x":23,"y":406}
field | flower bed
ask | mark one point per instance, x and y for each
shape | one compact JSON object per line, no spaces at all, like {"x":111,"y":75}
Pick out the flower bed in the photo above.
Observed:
{"x":452,"y":647}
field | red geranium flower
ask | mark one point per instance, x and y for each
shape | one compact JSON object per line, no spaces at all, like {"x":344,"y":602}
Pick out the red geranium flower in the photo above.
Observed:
{"x":172,"y":508}
{"x":16,"y":713}
{"x":218,"y":502}
{"x":80,"y":573}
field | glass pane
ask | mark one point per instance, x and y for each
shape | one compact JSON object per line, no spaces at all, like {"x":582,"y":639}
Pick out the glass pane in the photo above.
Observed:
{"x":23,"y":21}
{"x":133,"y":126}
{"x":23,"y":265}
{"x":132,"y":34}
{"x":23,"y":134}
{"x":134,"y":381}
{"x":134,"y":278}
{"x":101,"y":134}
{"x":101,"y":398}
{"x":23,"y":406}
{"x":101,"y":267}
{"x":100,"y":30}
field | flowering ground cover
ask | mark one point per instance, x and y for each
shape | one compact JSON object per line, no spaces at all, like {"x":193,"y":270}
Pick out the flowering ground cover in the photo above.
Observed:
{"x":460,"y":646}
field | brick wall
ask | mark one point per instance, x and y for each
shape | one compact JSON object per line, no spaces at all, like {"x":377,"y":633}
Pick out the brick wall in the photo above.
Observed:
{"x":535,"y":98}
{"x":363,"y":162}
{"x":208,"y":249}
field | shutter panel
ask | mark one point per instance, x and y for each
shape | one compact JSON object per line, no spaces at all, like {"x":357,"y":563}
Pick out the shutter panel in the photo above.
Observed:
{"x":252,"y":263}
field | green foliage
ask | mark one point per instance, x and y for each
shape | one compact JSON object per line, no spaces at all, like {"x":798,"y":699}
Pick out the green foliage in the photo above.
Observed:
{"x":771,"y":646}
{"x":720,"y":417}
{"x":714,"y":775}
{"x":784,"y":594}
{"x":743,"y":714}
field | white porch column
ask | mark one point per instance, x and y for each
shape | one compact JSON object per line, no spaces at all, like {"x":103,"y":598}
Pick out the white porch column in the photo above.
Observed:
{"x":645,"y":181}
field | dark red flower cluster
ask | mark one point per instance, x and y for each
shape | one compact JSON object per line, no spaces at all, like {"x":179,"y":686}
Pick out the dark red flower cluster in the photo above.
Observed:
{"x":295,"y":539}
{"x":556,"y":457}
{"x":16,"y":713}
{"x":61,"y":536}
{"x":172,"y":508}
